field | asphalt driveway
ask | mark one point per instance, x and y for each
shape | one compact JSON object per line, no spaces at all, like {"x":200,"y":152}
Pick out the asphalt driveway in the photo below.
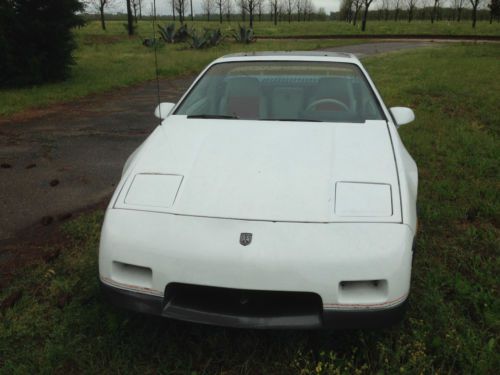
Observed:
{"x":71,"y":157}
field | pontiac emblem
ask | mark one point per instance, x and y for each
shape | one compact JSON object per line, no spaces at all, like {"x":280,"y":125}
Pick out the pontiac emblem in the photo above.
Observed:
{"x":245,"y":239}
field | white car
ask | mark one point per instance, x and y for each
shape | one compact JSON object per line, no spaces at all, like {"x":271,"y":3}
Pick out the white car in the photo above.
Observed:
{"x":275,"y":194}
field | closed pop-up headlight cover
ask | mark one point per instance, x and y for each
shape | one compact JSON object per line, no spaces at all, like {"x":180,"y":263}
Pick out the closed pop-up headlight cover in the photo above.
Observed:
{"x":151,"y":190}
{"x":359,"y":199}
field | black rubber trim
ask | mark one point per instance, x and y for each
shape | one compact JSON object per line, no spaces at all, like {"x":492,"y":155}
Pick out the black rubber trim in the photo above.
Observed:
{"x":370,"y":319}
{"x":140,"y":302}
{"x":235,"y":321}
{"x":329,"y":319}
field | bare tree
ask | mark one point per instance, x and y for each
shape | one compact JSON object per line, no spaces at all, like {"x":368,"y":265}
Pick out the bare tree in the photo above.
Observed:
{"x":434,"y":10}
{"x":459,"y":7}
{"x":241,"y":4}
{"x":219,"y":4}
{"x":367,"y":4}
{"x":130,"y":24}
{"x":172,"y":2}
{"x":250,"y":6}
{"x":298,"y":6}
{"x":228,"y":9}
{"x":180,"y":8}
{"x":100,"y":6}
{"x":494,"y":7}
{"x":289,"y":9}
{"x":135,"y":8}
{"x":411,"y":5}
{"x":192,"y":14}
{"x":475,"y":4}
{"x":397,"y":4}
{"x":356,"y":4}
{"x":259,"y":9}
{"x":384,"y":7}
{"x":273,"y":6}
{"x":207,"y":6}
{"x":345,"y":10}
{"x":308,"y":9}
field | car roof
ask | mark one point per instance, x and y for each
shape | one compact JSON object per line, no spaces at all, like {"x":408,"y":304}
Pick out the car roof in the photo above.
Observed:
{"x":290,"y":56}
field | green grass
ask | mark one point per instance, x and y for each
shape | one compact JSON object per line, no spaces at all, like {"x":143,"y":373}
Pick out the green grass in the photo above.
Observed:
{"x":267,"y":28}
{"x":62,"y":325}
{"x":109,"y":60}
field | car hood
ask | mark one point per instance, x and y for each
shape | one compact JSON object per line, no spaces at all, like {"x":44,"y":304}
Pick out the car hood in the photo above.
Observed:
{"x":264,"y":170}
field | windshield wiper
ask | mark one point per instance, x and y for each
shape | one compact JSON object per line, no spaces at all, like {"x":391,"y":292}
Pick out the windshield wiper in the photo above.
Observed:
{"x":214,"y":116}
{"x":290,"y":119}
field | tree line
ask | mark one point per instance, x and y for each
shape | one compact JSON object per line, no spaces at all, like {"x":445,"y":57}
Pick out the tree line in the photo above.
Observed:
{"x":351,"y":11}
{"x":432,"y":10}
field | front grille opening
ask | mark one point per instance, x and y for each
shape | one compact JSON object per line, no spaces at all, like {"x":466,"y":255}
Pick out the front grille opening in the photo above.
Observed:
{"x":242,"y":302}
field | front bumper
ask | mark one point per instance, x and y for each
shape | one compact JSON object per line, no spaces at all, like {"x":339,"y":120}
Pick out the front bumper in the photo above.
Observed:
{"x":360,"y":272}
{"x":326,"y":318}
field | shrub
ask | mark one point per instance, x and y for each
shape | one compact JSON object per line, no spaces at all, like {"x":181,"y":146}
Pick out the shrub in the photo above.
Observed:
{"x":36,"y":42}
{"x":170,"y":35}
{"x":244,"y":35}
{"x":209,"y":38}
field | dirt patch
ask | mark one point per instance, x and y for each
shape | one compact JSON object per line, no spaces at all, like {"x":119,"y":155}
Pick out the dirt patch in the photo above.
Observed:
{"x":102,"y":39}
{"x":37,"y":244}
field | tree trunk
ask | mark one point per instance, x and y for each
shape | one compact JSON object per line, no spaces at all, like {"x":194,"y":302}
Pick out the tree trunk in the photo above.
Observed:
{"x":103,"y":24}
{"x":140,"y":9}
{"x":181,"y":16}
{"x":365,"y":15}
{"x":474,"y":16}
{"x":130,"y":25}
{"x":220,"y":11}
{"x":173,"y":9}
{"x":192,"y":15}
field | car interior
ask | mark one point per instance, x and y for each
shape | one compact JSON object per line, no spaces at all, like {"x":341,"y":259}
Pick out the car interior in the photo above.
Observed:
{"x":285,"y":97}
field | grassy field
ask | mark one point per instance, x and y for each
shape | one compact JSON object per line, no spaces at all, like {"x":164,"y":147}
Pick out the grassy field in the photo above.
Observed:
{"x":109,"y":59}
{"x":267,"y":28}
{"x":61,"y":324}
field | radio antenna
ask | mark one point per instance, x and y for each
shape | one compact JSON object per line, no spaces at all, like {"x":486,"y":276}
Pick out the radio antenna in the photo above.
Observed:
{"x":155,"y":44}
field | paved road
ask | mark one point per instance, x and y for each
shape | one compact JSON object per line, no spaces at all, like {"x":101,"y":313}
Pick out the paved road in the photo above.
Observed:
{"x":68,"y":159}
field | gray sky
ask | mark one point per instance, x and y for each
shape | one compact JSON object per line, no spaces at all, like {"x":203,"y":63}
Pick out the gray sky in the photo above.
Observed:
{"x":164,"y":7}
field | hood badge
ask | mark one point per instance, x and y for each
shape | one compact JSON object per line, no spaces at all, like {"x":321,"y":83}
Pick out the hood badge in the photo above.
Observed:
{"x":245,"y":239}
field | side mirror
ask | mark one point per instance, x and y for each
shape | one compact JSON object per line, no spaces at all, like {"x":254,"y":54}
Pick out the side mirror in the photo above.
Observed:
{"x":163,"y":109}
{"x":402,"y":115}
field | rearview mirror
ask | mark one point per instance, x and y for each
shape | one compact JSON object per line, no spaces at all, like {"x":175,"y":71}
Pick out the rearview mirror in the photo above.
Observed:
{"x":163,"y":109}
{"x":402,"y":115}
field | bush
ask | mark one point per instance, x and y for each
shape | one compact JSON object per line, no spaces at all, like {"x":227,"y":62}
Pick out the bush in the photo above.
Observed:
{"x":170,"y":35}
{"x":209,"y":38}
{"x":36,"y":41}
{"x":244,"y":35}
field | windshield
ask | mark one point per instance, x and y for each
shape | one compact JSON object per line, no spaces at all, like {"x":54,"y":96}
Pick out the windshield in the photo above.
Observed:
{"x":283,"y":91}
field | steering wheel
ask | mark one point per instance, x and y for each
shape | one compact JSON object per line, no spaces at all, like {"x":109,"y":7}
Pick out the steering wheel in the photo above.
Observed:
{"x":327,"y":100}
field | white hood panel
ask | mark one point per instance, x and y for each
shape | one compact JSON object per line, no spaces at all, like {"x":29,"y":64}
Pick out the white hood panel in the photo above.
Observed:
{"x":266,"y":170}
